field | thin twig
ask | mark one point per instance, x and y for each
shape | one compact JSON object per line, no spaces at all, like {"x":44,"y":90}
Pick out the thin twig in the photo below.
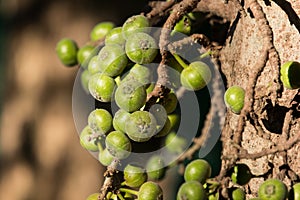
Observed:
{"x":159,"y":7}
{"x":109,"y":176}
{"x":161,"y":86}
{"x":179,"y":10}
{"x":194,"y":38}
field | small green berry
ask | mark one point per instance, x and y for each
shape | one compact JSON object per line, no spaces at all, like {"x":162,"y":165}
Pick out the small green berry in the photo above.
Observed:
{"x":66,"y":50}
{"x":93,"y":66}
{"x":134,"y":176}
{"x":139,"y":73}
{"x":175,"y":120}
{"x":162,"y":121}
{"x":234,"y":98}
{"x":175,"y":144}
{"x":112,"y":60}
{"x":84,"y":80}
{"x":155,"y":168}
{"x":196,"y":76}
{"x":294,"y":194}
{"x":100,"y":121}
{"x":141,"y":126}
{"x":133,"y":25}
{"x":197,"y":170}
{"x":102,"y":87}
{"x":238,"y":194}
{"x":100,"y":30}
{"x":118,"y":144}
{"x":120,"y":120}
{"x":164,"y":129}
{"x":130,"y":96}
{"x":160,"y":114}
{"x":170,"y":102}
{"x":150,"y":191}
{"x":290,"y":74}
{"x":88,"y":139}
{"x":115,"y":36}
{"x":84,"y":55}
{"x":141,"y":48}
{"x":191,"y":190}
{"x":272,"y":189}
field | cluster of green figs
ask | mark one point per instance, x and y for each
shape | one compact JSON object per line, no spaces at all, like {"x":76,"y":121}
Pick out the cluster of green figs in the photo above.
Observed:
{"x":120,"y":71}
{"x":199,"y":186}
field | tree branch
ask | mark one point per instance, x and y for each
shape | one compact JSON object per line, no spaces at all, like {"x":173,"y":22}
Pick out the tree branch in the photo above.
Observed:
{"x":268,"y":52}
{"x":161,"y":86}
{"x":109,"y":176}
{"x":159,"y":8}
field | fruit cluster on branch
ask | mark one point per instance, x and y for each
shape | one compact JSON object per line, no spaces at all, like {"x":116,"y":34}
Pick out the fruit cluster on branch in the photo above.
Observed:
{"x":143,"y":71}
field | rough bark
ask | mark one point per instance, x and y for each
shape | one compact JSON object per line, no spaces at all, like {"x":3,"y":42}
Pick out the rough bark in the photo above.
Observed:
{"x":256,"y":44}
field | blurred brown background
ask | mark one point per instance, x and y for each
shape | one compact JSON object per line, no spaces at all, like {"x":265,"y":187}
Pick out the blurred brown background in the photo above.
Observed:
{"x":40,"y":154}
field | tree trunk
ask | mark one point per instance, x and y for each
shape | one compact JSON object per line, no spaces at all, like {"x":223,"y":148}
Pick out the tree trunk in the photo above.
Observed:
{"x":262,"y":35}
